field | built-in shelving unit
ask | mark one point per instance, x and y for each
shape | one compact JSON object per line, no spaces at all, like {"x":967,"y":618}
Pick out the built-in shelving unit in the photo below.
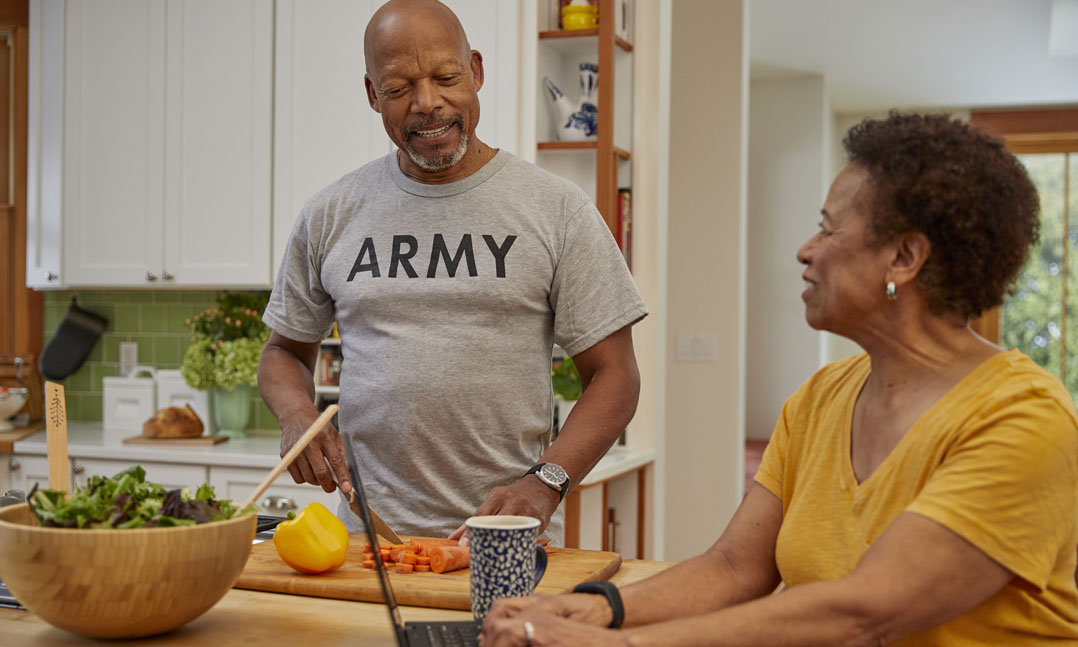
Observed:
{"x":607,"y":510}
{"x":560,"y":52}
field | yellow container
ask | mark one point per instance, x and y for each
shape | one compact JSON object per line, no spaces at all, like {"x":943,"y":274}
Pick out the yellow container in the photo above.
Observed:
{"x":579,"y":17}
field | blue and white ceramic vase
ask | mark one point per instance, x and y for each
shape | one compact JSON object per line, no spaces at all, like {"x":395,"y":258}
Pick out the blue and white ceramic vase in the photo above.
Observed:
{"x":577,"y":122}
{"x":506,"y":559}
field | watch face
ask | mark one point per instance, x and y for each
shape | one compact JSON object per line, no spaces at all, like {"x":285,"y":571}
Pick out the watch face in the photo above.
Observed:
{"x":553,"y":474}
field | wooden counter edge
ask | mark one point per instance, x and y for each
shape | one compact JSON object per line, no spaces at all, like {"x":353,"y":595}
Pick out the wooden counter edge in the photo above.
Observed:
{"x":10,"y":437}
{"x":254,"y":617}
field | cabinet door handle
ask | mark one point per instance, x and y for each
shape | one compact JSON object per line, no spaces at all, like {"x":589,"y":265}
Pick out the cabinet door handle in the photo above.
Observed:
{"x":49,"y":276}
{"x":14,"y":465}
{"x":78,"y":469}
{"x":279,"y":503}
{"x":150,"y":276}
{"x":166,"y":275}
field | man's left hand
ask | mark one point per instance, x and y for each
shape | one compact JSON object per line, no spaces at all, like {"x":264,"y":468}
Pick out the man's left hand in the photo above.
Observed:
{"x":527,"y":497}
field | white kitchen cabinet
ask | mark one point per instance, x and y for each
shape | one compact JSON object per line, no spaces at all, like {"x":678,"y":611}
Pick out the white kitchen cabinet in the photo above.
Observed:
{"x":237,"y":483}
{"x":154,"y":170}
{"x":607,"y":511}
{"x":45,"y":126}
{"x":24,"y":471}
{"x":171,"y":476}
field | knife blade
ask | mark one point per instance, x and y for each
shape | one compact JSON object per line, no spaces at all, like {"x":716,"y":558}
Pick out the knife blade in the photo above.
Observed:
{"x":380,"y":527}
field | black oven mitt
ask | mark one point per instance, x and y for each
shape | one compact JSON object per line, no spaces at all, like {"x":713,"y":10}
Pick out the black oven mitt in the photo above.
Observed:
{"x":72,"y":343}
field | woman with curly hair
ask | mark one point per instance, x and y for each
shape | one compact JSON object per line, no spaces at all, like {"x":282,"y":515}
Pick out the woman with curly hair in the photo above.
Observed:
{"x":922,"y":493}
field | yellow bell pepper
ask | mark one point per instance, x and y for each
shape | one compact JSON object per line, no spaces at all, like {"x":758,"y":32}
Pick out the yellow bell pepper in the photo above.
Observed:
{"x":314,"y":541}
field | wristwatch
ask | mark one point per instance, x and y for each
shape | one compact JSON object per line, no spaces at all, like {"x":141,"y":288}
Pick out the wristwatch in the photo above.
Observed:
{"x":553,"y":476}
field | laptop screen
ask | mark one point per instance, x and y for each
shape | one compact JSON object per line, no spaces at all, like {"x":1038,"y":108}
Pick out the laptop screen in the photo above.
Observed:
{"x":379,"y":565}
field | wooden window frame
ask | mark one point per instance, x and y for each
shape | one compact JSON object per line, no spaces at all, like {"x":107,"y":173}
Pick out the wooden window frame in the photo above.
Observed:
{"x":1026,"y":132}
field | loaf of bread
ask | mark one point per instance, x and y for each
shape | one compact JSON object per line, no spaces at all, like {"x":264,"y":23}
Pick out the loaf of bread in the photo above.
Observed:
{"x":173,"y":422}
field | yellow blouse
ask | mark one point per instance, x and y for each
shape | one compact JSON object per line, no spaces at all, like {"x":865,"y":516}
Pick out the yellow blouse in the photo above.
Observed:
{"x":995,"y":460}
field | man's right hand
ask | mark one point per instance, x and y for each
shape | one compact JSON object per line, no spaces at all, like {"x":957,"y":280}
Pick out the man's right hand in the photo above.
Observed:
{"x":311,"y":466}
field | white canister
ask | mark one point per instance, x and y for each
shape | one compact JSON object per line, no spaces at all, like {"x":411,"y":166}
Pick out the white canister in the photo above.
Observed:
{"x":173,"y":391}
{"x":128,"y":402}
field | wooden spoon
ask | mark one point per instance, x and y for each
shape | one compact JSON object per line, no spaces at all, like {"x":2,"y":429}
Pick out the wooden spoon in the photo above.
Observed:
{"x":56,"y":434}
{"x":300,"y":445}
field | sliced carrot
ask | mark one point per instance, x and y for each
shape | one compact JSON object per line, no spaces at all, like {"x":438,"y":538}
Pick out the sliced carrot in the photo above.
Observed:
{"x":398,"y":546}
{"x":368,"y":563}
{"x":422,"y":560}
{"x":421,"y":568}
{"x":368,"y":555}
{"x":395,"y":554}
{"x":448,"y":558}
{"x":544,"y":542}
{"x":409,"y":558}
{"x":404,"y":568}
{"x":366,"y":546}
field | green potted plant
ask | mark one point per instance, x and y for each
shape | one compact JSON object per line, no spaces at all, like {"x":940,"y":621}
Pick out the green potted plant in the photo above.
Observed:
{"x":223,"y":357}
{"x":567,"y":388}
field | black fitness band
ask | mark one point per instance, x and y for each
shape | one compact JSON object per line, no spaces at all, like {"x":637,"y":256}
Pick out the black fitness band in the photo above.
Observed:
{"x":613,"y":596}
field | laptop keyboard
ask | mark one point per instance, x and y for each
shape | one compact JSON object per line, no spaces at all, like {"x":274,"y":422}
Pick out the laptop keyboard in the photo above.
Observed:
{"x":453,"y":635}
{"x":7,"y":600}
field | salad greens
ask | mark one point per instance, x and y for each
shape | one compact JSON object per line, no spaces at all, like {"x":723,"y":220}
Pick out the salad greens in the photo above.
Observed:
{"x":127,"y":500}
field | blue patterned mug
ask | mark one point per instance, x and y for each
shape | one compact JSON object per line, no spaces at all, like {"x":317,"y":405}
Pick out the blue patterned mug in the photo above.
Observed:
{"x":506,"y":559}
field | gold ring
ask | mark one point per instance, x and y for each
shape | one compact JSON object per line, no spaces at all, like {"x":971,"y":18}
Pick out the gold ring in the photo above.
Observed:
{"x":529,"y":632}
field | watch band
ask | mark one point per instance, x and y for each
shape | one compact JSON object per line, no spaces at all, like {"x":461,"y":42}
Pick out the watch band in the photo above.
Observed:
{"x":561,"y":491}
{"x":613,"y":596}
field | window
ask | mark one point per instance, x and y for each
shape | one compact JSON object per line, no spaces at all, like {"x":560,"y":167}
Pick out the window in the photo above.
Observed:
{"x":1040,"y":318}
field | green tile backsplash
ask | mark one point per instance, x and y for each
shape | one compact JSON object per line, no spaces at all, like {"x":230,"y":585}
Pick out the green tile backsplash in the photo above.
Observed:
{"x":152,"y":319}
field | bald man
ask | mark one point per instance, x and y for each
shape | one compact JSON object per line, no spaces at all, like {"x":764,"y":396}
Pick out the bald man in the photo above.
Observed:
{"x":451,"y":269}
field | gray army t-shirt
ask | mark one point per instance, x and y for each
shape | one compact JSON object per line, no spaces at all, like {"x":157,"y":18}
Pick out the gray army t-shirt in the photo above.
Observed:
{"x":448,"y":298}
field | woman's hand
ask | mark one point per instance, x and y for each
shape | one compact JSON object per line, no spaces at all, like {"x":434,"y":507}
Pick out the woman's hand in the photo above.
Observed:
{"x":579,"y":607}
{"x":535,"y":630}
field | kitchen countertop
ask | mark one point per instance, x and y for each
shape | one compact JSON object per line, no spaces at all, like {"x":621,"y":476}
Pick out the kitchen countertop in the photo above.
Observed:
{"x":89,"y":440}
{"x":257,"y":618}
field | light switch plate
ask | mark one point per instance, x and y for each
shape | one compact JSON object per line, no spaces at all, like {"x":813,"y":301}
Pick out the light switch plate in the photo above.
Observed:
{"x":128,"y":357}
{"x":697,"y":347}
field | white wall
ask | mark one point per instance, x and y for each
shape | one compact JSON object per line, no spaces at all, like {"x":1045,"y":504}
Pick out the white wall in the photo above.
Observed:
{"x":649,"y":173}
{"x":789,"y":157}
{"x":701,"y":452}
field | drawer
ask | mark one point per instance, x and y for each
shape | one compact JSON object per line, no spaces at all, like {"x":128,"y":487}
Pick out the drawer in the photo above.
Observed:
{"x":237,"y":483}
{"x":169,"y":475}
{"x":26,"y":470}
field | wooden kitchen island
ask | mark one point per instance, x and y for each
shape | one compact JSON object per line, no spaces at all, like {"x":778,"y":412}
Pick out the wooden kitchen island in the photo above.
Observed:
{"x":256,"y":618}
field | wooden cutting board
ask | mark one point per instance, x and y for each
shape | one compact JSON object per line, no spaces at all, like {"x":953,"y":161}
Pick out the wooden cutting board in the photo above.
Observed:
{"x":12,"y":436}
{"x":566,"y":567}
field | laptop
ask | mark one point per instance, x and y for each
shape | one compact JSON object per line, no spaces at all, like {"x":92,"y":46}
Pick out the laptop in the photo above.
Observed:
{"x":463,"y":633}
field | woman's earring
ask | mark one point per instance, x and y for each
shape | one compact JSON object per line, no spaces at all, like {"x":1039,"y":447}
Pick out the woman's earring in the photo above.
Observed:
{"x":892,"y":292}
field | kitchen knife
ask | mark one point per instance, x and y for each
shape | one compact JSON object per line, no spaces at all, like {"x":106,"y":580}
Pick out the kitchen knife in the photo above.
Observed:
{"x":380,"y":527}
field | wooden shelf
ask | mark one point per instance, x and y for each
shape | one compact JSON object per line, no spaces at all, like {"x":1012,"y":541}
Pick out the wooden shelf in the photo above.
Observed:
{"x":576,"y":146}
{"x":583,"y":33}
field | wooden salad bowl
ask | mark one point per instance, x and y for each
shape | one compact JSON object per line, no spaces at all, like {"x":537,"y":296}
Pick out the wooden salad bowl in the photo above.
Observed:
{"x":120,"y":583}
